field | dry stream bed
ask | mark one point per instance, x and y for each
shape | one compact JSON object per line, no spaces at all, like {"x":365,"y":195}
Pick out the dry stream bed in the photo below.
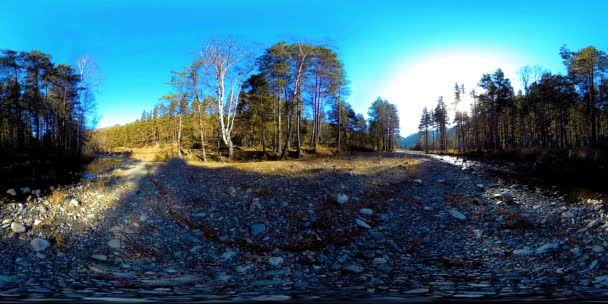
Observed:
{"x":395,"y":227}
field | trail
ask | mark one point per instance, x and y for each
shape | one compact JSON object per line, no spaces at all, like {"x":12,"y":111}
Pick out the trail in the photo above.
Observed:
{"x":408,"y":226}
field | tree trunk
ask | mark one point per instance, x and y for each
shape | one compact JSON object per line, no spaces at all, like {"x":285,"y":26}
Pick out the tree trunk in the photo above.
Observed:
{"x":201,"y":127}
{"x":179,"y":137}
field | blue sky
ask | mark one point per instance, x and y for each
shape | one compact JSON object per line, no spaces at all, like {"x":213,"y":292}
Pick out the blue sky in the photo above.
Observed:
{"x":410,"y":52}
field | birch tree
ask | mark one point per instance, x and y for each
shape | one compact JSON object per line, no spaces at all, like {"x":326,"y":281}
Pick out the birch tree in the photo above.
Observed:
{"x":226,"y":65}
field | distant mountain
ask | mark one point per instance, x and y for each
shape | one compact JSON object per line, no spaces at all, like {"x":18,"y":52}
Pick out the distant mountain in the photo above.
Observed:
{"x":409,"y":141}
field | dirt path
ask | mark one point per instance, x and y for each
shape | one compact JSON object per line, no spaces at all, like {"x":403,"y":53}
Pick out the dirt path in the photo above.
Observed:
{"x":399,"y":226}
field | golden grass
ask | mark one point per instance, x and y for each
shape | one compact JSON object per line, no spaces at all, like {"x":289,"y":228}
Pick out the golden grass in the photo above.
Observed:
{"x":100,"y":165}
{"x":365,"y":164}
{"x":56,"y":196}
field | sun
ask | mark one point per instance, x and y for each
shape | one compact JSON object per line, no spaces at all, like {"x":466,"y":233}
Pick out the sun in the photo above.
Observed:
{"x":419,"y":82}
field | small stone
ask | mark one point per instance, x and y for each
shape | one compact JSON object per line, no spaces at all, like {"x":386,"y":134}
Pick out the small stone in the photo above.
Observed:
{"x":576,"y":251}
{"x":593,"y":264}
{"x":418,"y":181}
{"x":231,"y":191}
{"x":255,"y":205}
{"x":99,"y":257}
{"x":597,"y":249}
{"x":366,"y":211}
{"x":568,"y":215}
{"x":114,"y":243}
{"x":17,"y":228}
{"x":257,"y":229}
{"x":25,"y":190}
{"x":362,"y":224}
{"x":417,"y":291}
{"x":11,"y":192}
{"x":228,"y":255}
{"x":442,"y":181}
{"x":594,"y":224}
{"x":271,"y":298}
{"x":39,"y":244}
{"x":523,"y":252}
{"x":36,"y":192}
{"x":457,"y":215}
{"x":354,"y":268}
{"x":478,"y":233}
{"x":275,"y":261}
{"x":143,"y":218}
{"x":74,"y":202}
{"x":341,"y":198}
{"x":505,"y":197}
{"x":546,"y":248}
{"x":379,"y":261}
{"x":480,"y":186}
{"x":41,"y":255}
{"x":37,"y":222}
{"x":602,"y":280}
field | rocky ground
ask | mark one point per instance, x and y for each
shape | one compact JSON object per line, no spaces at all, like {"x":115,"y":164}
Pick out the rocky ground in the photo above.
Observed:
{"x":397,"y":227}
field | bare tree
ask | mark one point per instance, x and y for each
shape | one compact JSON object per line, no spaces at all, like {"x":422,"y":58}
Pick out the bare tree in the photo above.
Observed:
{"x":226,"y":65}
{"x":90,"y":80}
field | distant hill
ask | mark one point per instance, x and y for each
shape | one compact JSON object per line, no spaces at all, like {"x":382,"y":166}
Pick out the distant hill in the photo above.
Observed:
{"x":409,"y":141}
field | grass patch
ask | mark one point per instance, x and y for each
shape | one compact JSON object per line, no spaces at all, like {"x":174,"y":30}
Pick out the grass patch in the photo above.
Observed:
{"x":56,"y":196}
{"x":100,"y":165}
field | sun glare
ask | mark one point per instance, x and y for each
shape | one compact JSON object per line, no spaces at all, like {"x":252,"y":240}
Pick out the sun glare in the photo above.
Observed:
{"x":419,"y":82}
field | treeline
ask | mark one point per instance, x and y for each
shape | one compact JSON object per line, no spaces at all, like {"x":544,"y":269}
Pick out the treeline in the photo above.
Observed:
{"x":43,"y":106}
{"x":293,"y":95}
{"x":553,"y":112}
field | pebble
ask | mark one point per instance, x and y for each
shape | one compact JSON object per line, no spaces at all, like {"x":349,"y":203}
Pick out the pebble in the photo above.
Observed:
{"x":593,"y":265}
{"x":568,"y":214}
{"x":379,"y":261}
{"x":354,"y":268}
{"x":523,"y":252}
{"x":480,"y":186}
{"x":11,"y":192}
{"x":275,"y":261}
{"x":99,"y":257}
{"x":255,"y":205}
{"x":257,"y":229}
{"x":457,"y":215}
{"x":363,"y":224}
{"x":366,"y":211}
{"x":17,"y":228}
{"x":74,"y":202}
{"x":25,"y":190}
{"x":546,"y":248}
{"x":39,"y":244}
{"x":418,"y":181}
{"x":597,"y":249}
{"x":505,"y":197}
{"x":228,"y":255}
{"x":594,"y":224}
{"x":417,"y":291}
{"x":342,"y":198}
{"x":478,"y":233}
{"x":114,"y":243}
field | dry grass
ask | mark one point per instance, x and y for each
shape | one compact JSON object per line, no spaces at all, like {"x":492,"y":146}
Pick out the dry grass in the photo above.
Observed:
{"x":56,"y":196}
{"x":100,"y":165}
{"x":365,"y":165}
